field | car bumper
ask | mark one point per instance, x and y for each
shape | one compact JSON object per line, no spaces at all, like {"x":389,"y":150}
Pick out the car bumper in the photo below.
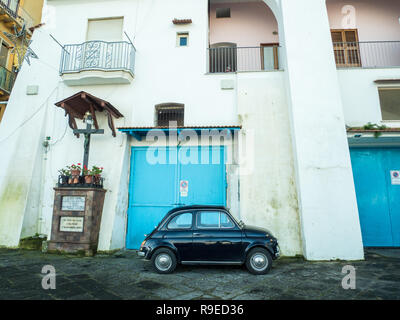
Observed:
{"x":277,"y":252}
{"x":144,"y":253}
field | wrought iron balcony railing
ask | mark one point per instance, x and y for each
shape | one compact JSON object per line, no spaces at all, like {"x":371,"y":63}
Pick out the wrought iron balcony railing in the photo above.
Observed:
{"x":371,"y":54}
{"x":7,"y":79}
{"x":243,"y":59}
{"x":98,"y":55}
{"x":11,"y":6}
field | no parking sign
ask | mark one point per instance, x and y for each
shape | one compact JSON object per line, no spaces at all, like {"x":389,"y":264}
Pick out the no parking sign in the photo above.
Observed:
{"x":395,"y":175}
{"x":184,"y":187}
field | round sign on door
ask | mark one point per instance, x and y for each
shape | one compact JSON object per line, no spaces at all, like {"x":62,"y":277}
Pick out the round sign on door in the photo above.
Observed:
{"x":184,"y":188}
{"x":395,"y":177}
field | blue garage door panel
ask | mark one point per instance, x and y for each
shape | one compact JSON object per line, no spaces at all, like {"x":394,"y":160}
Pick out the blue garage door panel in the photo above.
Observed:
{"x":377,"y":198}
{"x":372,"y":198}
{"x":151,"y":194}
{"x":155,"y":186}
{"x":392,"y":160}
{"x":205,"y":174}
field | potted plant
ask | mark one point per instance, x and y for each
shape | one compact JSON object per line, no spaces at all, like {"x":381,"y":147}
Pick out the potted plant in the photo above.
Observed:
{"x":96,"y":173}
{"x":87,"y":175}
{"x":75,"y":173}
{"x":65,"y":174}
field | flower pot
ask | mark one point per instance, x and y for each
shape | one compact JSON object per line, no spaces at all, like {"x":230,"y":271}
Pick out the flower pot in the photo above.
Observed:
{"x":97,"y":178}
{"x":65,"y":179}
{"x":75,"y":172}
{"x":89,"y":179}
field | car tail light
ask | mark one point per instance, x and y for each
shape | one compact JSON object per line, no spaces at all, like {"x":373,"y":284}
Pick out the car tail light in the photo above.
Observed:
{"x":143,"y":243}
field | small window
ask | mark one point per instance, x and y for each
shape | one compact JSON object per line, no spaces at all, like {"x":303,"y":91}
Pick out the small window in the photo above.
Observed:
{"x":182,"y":39}
{"x":223,"y":13}
{"x":167,"y":113}
{"x":181,"y":221}
{"x":214,"y":220}
{"x":390,"y":103}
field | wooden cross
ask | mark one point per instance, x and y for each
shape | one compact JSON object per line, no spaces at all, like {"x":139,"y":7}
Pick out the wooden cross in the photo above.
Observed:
{"x":88,"y":132}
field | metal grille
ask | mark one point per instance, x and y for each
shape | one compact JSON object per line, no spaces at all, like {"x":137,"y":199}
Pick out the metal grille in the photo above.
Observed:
{"x":167,"y":114}
{"x":98,"y":55}
{"x":232,"y":59}
{"x":377,"y":54}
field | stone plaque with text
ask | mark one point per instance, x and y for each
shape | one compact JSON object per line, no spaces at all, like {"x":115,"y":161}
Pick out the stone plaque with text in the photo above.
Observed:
{"x":73,"y":203}
{"x":71,"y":224}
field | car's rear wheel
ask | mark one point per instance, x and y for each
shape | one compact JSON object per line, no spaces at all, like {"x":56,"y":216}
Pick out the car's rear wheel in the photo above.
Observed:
{"x":259,"y":261}
{"x":164,"y":261}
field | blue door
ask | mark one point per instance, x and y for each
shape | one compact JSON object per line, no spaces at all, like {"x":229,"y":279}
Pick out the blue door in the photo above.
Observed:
{"x":377,"y":195}
{"x":164,"y":178}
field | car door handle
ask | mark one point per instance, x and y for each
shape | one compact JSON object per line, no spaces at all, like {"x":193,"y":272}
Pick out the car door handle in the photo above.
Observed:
{"x":226,"y":242}
{"x":197,"y":234}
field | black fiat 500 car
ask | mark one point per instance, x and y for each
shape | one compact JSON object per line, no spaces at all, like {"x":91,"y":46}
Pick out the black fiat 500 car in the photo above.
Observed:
{"x":208,"y":235}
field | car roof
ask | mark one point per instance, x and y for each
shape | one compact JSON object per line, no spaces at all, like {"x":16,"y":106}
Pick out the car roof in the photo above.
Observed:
{"x":195,"y":207}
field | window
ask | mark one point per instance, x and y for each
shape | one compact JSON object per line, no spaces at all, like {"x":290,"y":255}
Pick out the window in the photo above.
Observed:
{"x":105,"y":29}
{"x":269,"y":56}
{"x":166,"y":113}
{"x":214,"y":220}
{"x":4,"y":55}
{"x":223,"y":13}
{"x":181,"y":221}
{"x":390,"y":103}
{"x":182,"y":39}
{"x":346,"y":47}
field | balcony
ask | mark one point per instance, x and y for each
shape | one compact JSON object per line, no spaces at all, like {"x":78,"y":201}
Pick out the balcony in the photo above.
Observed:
{"x":11,"y":6}
{"x":7,"y":79}
{"x":98,"y":62}
{"x":368,"y":54}
{"x":243,"y":59}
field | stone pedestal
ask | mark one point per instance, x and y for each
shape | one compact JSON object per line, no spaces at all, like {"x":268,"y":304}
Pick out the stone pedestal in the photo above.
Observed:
{"x":76,"y":220}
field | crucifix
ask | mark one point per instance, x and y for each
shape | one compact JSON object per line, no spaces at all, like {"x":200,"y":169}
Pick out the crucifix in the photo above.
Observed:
{"x":87,"y":132}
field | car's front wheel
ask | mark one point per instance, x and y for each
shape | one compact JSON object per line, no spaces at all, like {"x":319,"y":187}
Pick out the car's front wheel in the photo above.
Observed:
{"x":164,"y":261}
{"x":259,"y":261}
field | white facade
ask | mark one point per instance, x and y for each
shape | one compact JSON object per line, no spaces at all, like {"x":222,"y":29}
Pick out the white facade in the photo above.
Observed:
{"x":294,"y":175}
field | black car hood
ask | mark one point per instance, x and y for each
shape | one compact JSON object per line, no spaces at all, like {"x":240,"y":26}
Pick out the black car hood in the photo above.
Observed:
{"x":252,"y":231}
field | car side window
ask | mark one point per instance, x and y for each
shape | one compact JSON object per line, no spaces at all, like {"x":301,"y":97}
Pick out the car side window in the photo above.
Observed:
{"x":226,"y":222}
{"x":214,"y":220}
{"x":181,"y":221}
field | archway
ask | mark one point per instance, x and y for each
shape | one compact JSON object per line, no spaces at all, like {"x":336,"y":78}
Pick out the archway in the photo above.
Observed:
{"x":244,"y":35}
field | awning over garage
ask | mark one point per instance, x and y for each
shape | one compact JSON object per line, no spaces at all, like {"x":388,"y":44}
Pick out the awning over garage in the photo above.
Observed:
{"x":140,"y":132}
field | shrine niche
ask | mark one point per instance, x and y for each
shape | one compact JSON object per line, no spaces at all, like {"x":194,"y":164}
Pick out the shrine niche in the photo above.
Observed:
{"x":78,"y":105}
{"x":78,"y":203}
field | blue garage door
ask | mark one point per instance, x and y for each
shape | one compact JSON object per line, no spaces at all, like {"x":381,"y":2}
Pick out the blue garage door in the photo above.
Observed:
{"x":378,"y":195}
{"x":164,"y":178}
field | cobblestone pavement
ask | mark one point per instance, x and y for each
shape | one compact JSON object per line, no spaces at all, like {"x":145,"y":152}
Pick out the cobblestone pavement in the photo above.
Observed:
{"x":124,"y":276}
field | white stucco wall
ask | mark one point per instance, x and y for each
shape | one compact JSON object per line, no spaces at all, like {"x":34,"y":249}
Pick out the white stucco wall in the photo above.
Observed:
{"x":360,"y":95}
{"x":327,"y":200}
{"x":268,"y":189}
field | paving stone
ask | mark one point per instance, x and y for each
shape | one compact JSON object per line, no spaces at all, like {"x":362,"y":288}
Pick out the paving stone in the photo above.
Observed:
{"x":125,"y":276}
